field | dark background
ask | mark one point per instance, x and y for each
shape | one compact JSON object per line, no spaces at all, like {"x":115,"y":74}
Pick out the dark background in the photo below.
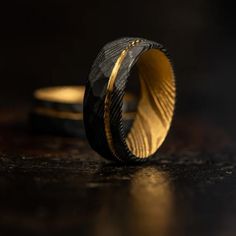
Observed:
{"x":59,"y":186}
{"x":46,"y":43}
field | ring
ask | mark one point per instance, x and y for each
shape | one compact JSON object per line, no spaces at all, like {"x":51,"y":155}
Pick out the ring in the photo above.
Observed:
{"x":58,"y":110}
{"x":105,"y":89}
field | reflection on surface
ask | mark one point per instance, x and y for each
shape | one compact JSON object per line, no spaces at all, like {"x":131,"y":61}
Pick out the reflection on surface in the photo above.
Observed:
{"x":152,"y":202}
{"x":143,"y":204}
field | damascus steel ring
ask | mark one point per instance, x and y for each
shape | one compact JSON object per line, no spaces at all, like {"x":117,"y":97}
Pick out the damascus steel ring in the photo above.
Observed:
{"x":105,"y":89}
{"x":58,"y":110}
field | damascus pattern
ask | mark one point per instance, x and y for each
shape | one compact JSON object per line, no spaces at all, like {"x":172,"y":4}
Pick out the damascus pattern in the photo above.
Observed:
{"x":96,"y":91}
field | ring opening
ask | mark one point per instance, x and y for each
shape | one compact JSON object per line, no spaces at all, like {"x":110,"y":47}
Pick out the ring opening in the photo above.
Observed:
{"x":156,"y":104}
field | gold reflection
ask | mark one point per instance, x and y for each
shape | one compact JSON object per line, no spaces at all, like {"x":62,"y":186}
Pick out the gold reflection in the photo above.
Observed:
{"x":152,"y":203}
{"x":144,"y":205}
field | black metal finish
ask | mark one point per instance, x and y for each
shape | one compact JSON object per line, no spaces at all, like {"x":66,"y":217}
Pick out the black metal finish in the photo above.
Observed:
{"x":95,"y":97}
{"x":58,"y":106}
{"x":43,"y":124}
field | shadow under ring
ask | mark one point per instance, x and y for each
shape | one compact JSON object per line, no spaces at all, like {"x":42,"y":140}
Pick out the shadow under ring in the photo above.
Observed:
{"x":104,"y":95}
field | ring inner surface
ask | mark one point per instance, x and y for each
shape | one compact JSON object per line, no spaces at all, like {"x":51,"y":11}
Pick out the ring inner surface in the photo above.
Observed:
{"x":156,"y":104}
{"x":61,"y":94}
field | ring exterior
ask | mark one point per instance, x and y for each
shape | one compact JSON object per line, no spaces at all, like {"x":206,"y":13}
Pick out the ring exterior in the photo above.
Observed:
{"x":96,"y":94}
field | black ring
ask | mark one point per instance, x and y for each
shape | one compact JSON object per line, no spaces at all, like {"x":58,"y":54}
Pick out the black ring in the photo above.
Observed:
{"x":58,"y":110}
{"x":104,"y":94}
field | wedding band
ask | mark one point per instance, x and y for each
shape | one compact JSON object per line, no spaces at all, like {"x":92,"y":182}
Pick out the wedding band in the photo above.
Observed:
{"x":105,"y":90}
{"x":59,"y":110}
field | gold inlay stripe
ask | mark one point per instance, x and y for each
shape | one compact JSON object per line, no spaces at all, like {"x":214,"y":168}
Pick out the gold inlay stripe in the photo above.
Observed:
{"x":110,"y":87}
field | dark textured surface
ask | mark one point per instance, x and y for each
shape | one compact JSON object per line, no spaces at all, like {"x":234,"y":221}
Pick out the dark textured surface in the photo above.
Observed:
{"x":59,"y":186}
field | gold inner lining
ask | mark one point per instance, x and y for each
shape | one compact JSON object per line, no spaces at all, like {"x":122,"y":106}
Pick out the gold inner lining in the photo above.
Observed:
{"x":156,"y":104}
{"x":61,"y":94}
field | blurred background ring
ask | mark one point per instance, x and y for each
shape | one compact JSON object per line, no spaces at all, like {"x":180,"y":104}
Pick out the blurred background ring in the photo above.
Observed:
{"x":58,"y":110}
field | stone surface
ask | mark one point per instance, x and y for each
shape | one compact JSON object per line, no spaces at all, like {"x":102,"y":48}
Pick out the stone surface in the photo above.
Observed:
{"x":58,"y":186}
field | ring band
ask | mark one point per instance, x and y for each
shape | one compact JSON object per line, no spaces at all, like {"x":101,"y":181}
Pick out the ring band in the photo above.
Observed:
{"x":104,"y":94}
{"x":58,"y":110}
